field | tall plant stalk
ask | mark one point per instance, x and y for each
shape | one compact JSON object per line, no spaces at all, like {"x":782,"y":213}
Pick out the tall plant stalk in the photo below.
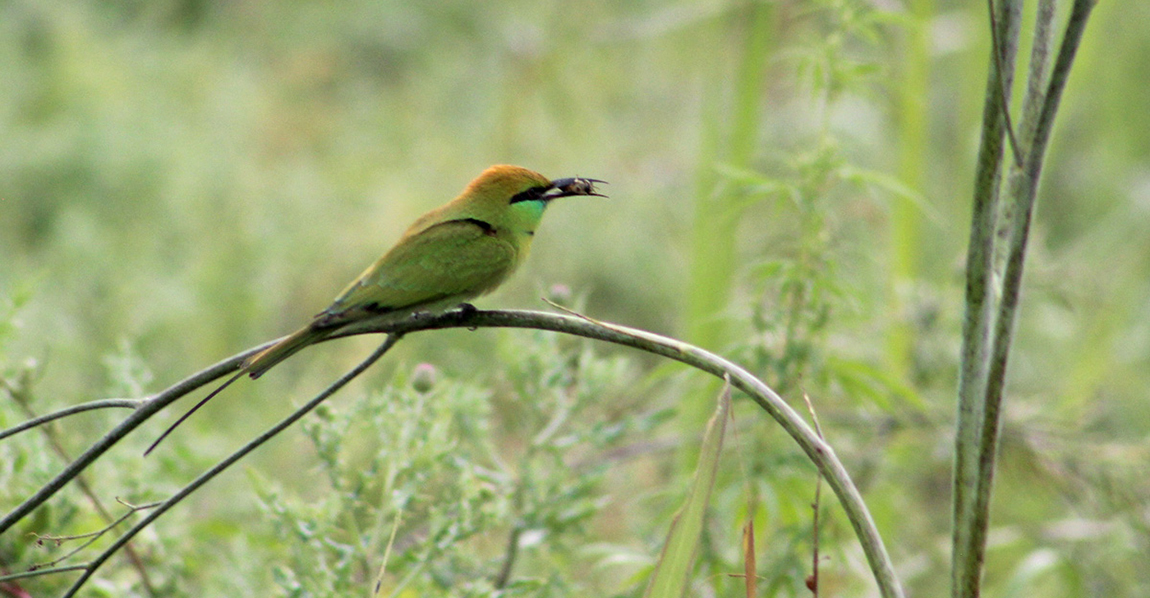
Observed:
{"x":994,"y":271}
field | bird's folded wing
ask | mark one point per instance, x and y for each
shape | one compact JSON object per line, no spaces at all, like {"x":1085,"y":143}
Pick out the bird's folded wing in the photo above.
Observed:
{"x":457,"y":258}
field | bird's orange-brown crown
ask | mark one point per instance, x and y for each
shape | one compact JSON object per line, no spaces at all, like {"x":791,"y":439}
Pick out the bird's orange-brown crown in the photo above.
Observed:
{"x":505,"y":180}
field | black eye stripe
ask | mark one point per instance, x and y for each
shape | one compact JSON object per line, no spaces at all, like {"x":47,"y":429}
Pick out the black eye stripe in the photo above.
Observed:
{"x":530,"y":194}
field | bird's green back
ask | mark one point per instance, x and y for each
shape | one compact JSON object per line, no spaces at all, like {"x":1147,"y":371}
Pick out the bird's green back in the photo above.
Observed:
{"x":456,"y":252}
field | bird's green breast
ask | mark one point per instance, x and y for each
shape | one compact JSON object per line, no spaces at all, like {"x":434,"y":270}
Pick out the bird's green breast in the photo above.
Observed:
{"x":524,"y":216}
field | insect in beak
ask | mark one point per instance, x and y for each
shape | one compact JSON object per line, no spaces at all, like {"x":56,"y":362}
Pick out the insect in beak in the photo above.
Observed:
{"x":574,"y":186}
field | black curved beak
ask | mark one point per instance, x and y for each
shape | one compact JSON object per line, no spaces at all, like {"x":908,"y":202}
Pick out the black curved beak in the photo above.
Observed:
{"x":573,"y":186}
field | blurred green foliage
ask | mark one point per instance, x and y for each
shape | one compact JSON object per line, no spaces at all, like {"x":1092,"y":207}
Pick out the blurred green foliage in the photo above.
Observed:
{"x":790,"y":185}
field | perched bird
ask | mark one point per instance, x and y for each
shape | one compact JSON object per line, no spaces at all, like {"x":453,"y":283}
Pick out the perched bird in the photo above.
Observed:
{"x":450,"y":255}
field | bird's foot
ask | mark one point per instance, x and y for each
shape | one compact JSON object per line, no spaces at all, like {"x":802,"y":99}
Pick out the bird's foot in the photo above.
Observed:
{"x":466,"y":310}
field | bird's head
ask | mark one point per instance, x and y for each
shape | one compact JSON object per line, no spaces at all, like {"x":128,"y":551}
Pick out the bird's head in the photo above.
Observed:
{"x":515,"y":184}
{"x":515,"y":196}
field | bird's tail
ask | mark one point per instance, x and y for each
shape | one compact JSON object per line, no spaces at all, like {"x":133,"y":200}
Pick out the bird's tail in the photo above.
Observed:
{"x":255,"y":366}
{"x":261,"y":362}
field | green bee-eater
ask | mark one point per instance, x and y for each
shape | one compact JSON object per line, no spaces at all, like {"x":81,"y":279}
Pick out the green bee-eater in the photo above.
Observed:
{"x":450,"y":255}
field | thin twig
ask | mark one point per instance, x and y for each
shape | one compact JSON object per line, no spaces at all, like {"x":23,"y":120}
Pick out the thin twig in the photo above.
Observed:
{"x":1003,"y":92}
{"x":552,"y":427}
{"x":74,"y":409}
{"x":512,"y":549}
{"x":232,"y":459}
{"x":139,"y":416}
{"x":40,"y":572}
{"x":813,"y":580}
{"x":21,"y":397}
{"x":387,"y":551}
{"x":508,"y":557}
{"x":749,"y":580}
{"x":91,"y":537}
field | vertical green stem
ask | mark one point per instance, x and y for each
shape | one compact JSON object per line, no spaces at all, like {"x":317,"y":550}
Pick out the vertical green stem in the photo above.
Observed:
{"x":978,"y":321}
{"x":972,"y":494}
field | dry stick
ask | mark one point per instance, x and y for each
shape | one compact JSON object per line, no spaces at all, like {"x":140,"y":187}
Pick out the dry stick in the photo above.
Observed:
{"x":750,"y":581}
{"x":139,"y":416}
{"x":233,"y":458}
{"x":73,"y":410}
{"x":813,"y":582}
{"x":37,"y":573}
{"x":21,"y":398}
{"x":508,"y":557}
{"x":511,"y":552}
{"x":551,"y":428}
{"x":91,"y":537}
{"x":387,"y":551}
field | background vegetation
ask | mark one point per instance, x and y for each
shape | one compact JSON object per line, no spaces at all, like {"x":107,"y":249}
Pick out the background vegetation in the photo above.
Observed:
{"x":790,"y":186}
